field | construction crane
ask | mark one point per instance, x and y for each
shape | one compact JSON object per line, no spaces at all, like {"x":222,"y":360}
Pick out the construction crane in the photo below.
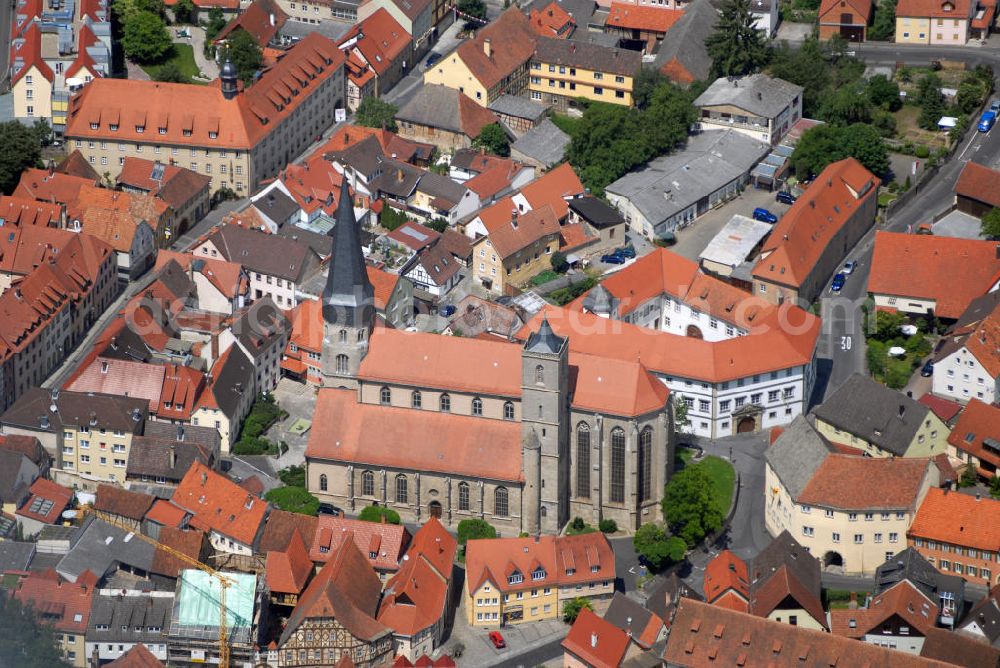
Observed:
{"x":224,"y":581}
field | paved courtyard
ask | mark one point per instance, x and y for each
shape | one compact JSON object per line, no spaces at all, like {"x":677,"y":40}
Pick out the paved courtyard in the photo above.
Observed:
{"x":299,"y":399}
{"x":479,"y":651}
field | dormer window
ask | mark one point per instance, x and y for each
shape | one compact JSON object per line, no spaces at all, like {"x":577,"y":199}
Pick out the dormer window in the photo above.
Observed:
{"x":140,"y":128}
{"x":187,"y":133}
{"x":213,"y":135}
{"x":93,"y":126}
{"x":113,"y":127}
{"x":162,"y":131}
{"x":570,"y":571}
{"x":373,"y":555}
{"x":538,"y":574}
{"x":515,"y":578}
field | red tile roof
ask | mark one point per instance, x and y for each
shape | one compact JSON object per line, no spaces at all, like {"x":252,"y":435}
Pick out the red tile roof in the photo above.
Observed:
{"x":384,"y":284}
{"x":950,"y":271}
{"x":384,"y":40}
{"x":122,"y":502}
{"x":847,"y":482}
{"x":107,"y":375}
{"x":137,"y":657}
{"x":978,"y":422}
{"x":596,"y":642}
{"x":800,"y":238}
{"x":944,"y":409}
{"x":287,"y":571}
{"x":727,"y":573}
{"x":413,"y":235}
{"x":27,"y":50}
{"x":949,"y":9}
{"x":554,"y":188}
{"x":49,"y":497}
{"x":280,"y":526}
{"x":387,"y":541}
{"x":188,"y":542}
{"x":349,"y":135}
{"x":176,"y":186}
{"x":552,"y":21}
{"x":902,"y":600}
{"x":861,"y":8}
{"x":984,"y":343}
{"x":63,"y":604}
{"x":166,"y":513}
{"x":958,"y":519}
{"x":639,"y":17}
{"x":219,"y":504}
{"x":227,"y":277}
{"x":984,"y":19}
{"x":26,"y":212}
{"x":521,"y":230}
{"x":512,"y":45}
{"x":435,"y":441}
{"x":54,"y":187}
{"x":616,"y":387}
{"x":261,"y":20}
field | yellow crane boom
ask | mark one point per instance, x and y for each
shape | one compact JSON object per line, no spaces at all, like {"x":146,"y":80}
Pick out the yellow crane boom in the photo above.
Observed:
{"x":224,"y":582}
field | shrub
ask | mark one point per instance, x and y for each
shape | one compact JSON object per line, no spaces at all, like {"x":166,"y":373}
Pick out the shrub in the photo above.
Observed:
{"x":473,"y":529}
{"x":921,"y":151}
{"x":577,"y":523}
{"x":378,"y":514}
{"x":573,"y":607}
{"x":293,"y":476}
{"x":294,"y":500}
{"x":608,"y":526}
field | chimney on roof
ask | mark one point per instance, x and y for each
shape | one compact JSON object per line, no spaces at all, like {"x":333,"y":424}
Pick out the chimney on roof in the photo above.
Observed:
{"x":978,"y":496}
{"x":593,"y":640}
{"x":488,"y":48}
{"x":271,"y":17}
{"x":513,"y":218}
{"x":173,"y":457}
{"x":204,"y":478}
{"x":180,"y":432}
{"x":44,"y":421}
{"x":902,"y":411}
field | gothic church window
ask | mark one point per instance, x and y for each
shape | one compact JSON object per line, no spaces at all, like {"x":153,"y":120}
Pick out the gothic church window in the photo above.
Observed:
{"x":583,"y":460}
{"x":617,"y":488}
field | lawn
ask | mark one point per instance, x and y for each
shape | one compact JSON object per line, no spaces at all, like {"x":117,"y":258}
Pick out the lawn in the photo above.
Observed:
{"x":723,"y":479}
{"x":907,"y":129}
{"x":544,"y":277}
{"x":684,"y":455}
{"x":884,"y":198}
{"x":182,"y":55}
{"x":567,"y":124}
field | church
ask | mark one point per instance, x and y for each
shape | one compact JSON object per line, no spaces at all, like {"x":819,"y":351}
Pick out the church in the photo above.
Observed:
{"x":524,"y":434}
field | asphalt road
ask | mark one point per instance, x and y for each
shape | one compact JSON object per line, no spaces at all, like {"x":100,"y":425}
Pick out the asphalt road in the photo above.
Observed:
{"x":550,"y":653}
{"x":6,"y":16}
{"x":879,"y":53}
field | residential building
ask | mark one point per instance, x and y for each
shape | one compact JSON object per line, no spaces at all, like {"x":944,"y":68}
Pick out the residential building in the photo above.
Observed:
{"x":122,"y":619}
{"x":276,"y":265}
{"x":236,"y":137}
{"x":542,"y":147}
{"x":640,"y":27}
{"x":43,"y":507}
{"x":671,"y":191}
{"x":476,"y":317}
{"x":416,"y":602}
{"x":521,"y":580}
{"x":122,"y":506}
{"x":219,"y":286}
{"x":165,"y":452}
{"x":433,"y":270}
{"x":493,"y":63}
{"x":391,"y":144}
{"x":975,"y":190}
{"x":340,"y":602}
{"x":765,"y":15}
{"x":601,"y":221}
{"x":593,"y":642}
{"x":137,"y":657}
{"x":919,"y":274}
{"x":468,"y":164}
{"x":287,"y":571}
{"x":899,"y":619}
{"x":717,"y":636}
{"x":381,"y":543}
{"x":683,"y":57}
{"x":970,"y":362}
{"x":975,"y":439}
{"x":934,"y":21}
{"x":882,"y":422}
{"x":186,"y":192}
{"x":846,"y":18}
{"x":957,"y":534}
{"x":563,"y":71}
{"x":55,"y":187}
{"x":515,"y":250}
{"x":437,"y":197}
{"x":644,"y":627}
{"x":518,"y":114}
{"x":379,"y":53}
{"x":552,"y":21}
{"x":983,"y":621}
{"x":66,"y":606}
{"x":261,"y":330}
{"x":851,"y":512}
{"x":261,"y":19}
{"x":26,"y":213}
{"x":757,"y":105}
{"x":443,"y":116}
{"x":423,"y":20}
{"x":17,"y":473}
{"x":133,"y":225}
{"x":946,"y":592}
{"x":812,"y":239}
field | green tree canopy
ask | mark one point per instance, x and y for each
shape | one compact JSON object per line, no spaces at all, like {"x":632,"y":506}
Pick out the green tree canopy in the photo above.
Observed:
{"x":216,"y":22}
{"x":376,"y":113}
{"x":846,"y":105}
{"x":245,"y":53}
{"x":25,"y":642}
{"x":145,"y":38}
{"x":293,"y":500}
{"x":125,"y":9}
{"x":473,"y":529}
{"x":736,"y":47}
{"x":476,"y":8}
{"x":19,"y":150}
{"x":170,"y":72}
{"x":883,"y":93}
{"x":377,"y":513}
{"x":293,"y":476}
{"x":573,"y":607}
{"x":991,"y":223}
{"x":825,"y":144}
{"x":884,"y":24}
{"x":690,"y":507}
{"x":653,"y":545}
{"x":184,"y":11}
{"x":493,"y":139}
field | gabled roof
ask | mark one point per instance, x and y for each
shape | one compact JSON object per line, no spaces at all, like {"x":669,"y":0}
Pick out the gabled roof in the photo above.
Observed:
{"x":122,"y":502}
{"x":520,"y":230}
{"x":382,"y":40}
{"x":53,"y":187}
{"x":784,"y":569}
{"x":552,"y":21}
{"x":512,"y":42}
{"x":184,"y":541}
{"x":833,"y":8}
{"x":172,"y":184}
{"x":47,"y":502}
{"x":950,"y":271}
{"x":262,"y":20}
{"x":75,"y":164}
{"x":595,"y":641}
{"x":683,"y":57}
{"x":261,"y":252}
{"x":64,"y":604}
{"x":588,"y":56}
{"x":124,"y":378}
{"x":727,"y":573}
{"x":221,"y":505}
{"x":978,"y":426}
{"x":849,"y":482}
{"x":765,"y":96}
{"x":647,"y":18}
{"x":387,"y":541}
{"x":903,"y":600}
{"x":958,"y":519}
{"x":986,"y":616}
{"x":445,"y":108}
{"x":26,"y":53}
{"x":643,"y":625}
{"x":286,"y":571}
{"x":934,"y":8}
{"x":945,"y":410}
{"x":280,"y":526}
{"x":137,"y":657}
{"x":958,"y":649}
{"x":27,"y":212}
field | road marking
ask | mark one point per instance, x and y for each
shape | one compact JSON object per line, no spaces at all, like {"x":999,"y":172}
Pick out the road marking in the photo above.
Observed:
{"x":971,"y":139}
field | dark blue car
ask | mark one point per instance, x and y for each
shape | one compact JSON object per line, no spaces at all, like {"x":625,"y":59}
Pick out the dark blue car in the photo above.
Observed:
{"x":447,"y":310}
{"x":613,"y":258}
{"x":764,"y":215}
{"x":627,"y":251}
{"x":838,"y":283}
{"x":785,"y":197}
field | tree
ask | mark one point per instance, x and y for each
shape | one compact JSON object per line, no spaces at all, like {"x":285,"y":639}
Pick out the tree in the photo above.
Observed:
{"x":991,"y":223}
{"x":379,"y":514}
{"x":294,"y":500}
{"x":474,"y":529}
{"x":559,"y":263}
{"x":125,"y":9}
{"x":883,"y":93}
{"x":145,"y":38}
{"x":475,"y":8}
{"x":970,"y":95}
{"x":864,"y":143}
{"x":245,"y":54}
{"x":184,"y":11}
{"x":216,"y":22}
{"x":995,"y":486}
{"x":846,"y":105}
{"x":736,"y":47}
{"x":376,"y":113}
{"x":825,"y":144}
{"x":968,"y":477}
{"x":19,"y":150}
{"x":887,"y":325}
{"x":293,"y":476}
{"x":884,"y":24}
{"x":651,"y":543}
{"x":25,"y":642}
{"x":439,"y":225}
{"x":170,"y":72}
{"x":681,"y":419}
{"x":645,"y":82}
{"x":493,"y":139}
{"x":690,"y":507}
{"x":573,"y":607}
{"x":43,"y":131}
{"x":608,"y":526}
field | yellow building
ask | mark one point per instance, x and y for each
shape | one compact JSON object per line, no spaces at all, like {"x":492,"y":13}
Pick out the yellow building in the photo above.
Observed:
{"x":563,"y":71}
{"x":95,"y":448}
{"x":517,"y":246}
{"x":518,"y":580}
{"x":913,"y":30}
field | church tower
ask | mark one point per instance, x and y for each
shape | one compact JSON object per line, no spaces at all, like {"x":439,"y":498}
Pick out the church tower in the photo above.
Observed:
{"x":348,"y":300}
{"x":545,"y":431}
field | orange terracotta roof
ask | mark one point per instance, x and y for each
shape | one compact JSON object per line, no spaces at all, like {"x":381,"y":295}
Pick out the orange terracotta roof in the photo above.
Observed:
{"x":307,"y":325}
{"x":114,"y":216}
{"x":800,"y":238}
{"x":227,"y":277}
{"x":261,"y":20}
{"x":950,"y":271}
{"x":28,"y":212}
{"x":978,"y":422}
{"x":596,"y":642}
{"x":984,"y":343}
{"x":126,"y":378}
{"x":864,"y":483}
{"x":566,"y":560}
{"x":934,"y":8}
{"x":383,"y":43}
{"x":727,"y":573}
{"x":521,"y":230}
{"x":958,"y":519}
{"x":617,"y":387}
{"x":434,"y":441}
{"x":122,"y":502}
{"x":188,"y":542}
{"x":176,"y":186}
{"x":137,"y":657}
{"x":384,"y":285}
{"x":165,"y":513}
{"x":54,"y":187}
{"x":902,"y":600}
{"x":677,"y":72}
{"x":641,"y":17}
{"x":84,"y":61}
{"x":554,"y":188}
{"x":862,"y":8}
{"x":181,"y":387}
{"x":492,"y":180}
{"x":984,"y":20}
{"x":387,"y":541}
{"x":512,"y":44}
{"x":219,"y":504}
{"x":573,"y":236}
{"x":50,"y":497}
{"x":287,"y":571}
{"x":26,"y":52}
{"x":944,"y":409}
{"x":64,"y":604}
{"x":24,"y":249}
{"x":552,"y":21}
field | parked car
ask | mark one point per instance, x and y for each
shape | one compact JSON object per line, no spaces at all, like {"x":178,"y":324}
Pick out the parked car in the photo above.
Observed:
{"x":666,"y":238}
{"x":497,"y":640}
{"x":785,"y":197}
{"x":838,"y":283}
{"x":433,"y":58}
{"x":613,"y":258}
{"x":849,"y":267}
{"x":764,"y":215}
{"x":627,"y":251}
{"x":330,"y":509}
{"x":995,"y":106}
{"x":447,"y":310}
{"x":987,"y":120}
{"x":928,"y":369}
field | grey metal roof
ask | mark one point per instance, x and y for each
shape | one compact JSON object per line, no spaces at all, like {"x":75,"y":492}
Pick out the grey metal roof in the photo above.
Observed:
{"x":545,"y":340}
{"x":734,"y":242}
{"x":873,"y":412}
{"x":435,"y":106}
{"x":600,"y":300}
{"x":545,"y":143}
{"x":685,"y":41}
{"x":758,"y":94}
{"x":796,"y":455}
{"x":15,"y":556}
{"x":517,"y":106}
{"x":297,"y":30}
{"x":959,"y":225}
{"x":101,"y":548}
{"x":348,"y":297}
{"x":672,"y":183}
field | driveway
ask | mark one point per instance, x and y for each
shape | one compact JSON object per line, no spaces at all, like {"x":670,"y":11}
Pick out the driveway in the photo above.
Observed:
{"x":207,"y":66}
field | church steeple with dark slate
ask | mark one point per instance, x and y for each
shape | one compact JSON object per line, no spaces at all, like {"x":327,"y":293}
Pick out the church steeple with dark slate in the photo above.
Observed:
{"x":348,"y":299}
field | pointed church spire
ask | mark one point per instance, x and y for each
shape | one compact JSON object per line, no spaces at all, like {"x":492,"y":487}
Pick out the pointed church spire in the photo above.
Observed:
{"x":545,"y":340}
{"x":348,"y":298}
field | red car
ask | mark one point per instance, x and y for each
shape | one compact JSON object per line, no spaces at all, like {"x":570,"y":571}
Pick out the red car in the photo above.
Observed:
{"x":497,"y":640}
